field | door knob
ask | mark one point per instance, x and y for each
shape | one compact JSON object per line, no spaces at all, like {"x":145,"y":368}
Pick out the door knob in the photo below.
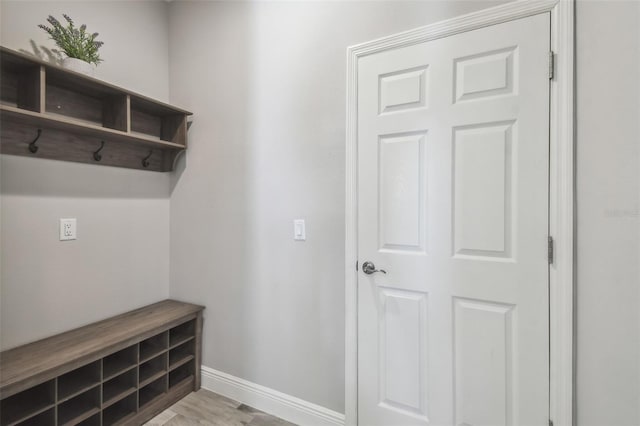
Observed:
{"x":369,"y":268}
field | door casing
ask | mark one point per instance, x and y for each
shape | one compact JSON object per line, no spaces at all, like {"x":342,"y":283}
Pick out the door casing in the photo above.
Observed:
{"x":561,"y":189}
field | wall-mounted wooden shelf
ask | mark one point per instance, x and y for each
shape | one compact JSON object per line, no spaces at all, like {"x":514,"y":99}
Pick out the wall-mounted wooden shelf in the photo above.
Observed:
{"x":74,"y":114}
{"x":123,"y":370}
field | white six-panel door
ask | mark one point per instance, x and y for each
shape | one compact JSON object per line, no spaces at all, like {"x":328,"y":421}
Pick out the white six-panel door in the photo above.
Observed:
{"x":453,"y":172}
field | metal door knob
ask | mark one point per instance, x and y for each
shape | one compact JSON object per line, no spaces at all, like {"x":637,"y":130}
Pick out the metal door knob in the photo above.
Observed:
{"x":369,"y":268}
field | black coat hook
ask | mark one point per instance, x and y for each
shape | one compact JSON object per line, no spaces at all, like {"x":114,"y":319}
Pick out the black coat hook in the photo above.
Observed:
{"x":96,"y":155}
{"x":33,"y":148}
{"x":145,"y":160}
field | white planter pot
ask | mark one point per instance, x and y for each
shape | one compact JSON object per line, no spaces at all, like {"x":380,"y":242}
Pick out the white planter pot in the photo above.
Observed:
{"x":79,"y":65}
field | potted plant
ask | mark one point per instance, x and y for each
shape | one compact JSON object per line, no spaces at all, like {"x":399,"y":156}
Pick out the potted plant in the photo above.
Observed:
{"x":80,"y":47}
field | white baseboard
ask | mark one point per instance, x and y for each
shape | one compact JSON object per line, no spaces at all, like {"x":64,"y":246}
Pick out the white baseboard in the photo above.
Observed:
{"x":287,"y":407}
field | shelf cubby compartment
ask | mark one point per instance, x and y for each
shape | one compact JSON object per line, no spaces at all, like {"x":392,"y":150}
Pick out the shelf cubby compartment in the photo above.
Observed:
{"x":79,"y":408}
{"x":153,"y":346}
{"x":181,"y":354}
{"x":181,"y":374}
{"x":46,"y":418}
{"x":152,"y":369}
{"x":119,"y":362}
{"x":21,"y":83}
{"x":119,"y":387}
{"x":78,"y":380}
{"x":27,"y":404}
{"x":120,"y":412}
{"x":152,"y":391}
{"x":85,"y":100}
{"x":157,"y":122}
{"x":182,"y":333}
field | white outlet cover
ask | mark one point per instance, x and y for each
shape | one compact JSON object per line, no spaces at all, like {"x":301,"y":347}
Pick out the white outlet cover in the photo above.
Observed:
{"x":68,"y":229}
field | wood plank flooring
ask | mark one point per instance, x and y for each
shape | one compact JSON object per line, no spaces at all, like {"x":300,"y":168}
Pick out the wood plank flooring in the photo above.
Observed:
{"x":205,"y":408}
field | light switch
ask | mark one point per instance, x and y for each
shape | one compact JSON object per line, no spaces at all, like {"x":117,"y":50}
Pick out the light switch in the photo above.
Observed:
{"x":68,"y":228}
{"x":299,"y":232}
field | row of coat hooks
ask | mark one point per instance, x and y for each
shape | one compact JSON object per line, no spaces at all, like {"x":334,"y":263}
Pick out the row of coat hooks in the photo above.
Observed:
{"x":33,"y":148}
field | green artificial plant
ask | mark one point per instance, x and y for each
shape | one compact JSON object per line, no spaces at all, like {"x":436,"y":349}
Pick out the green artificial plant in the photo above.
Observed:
{"x":74,"y":42}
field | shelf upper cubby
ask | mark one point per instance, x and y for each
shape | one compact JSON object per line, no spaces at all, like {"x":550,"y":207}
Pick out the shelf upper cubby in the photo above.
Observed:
{"x":73,"y":116}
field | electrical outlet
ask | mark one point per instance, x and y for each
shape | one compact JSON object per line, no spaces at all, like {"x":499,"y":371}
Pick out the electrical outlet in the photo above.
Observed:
{"x":68,"y":229}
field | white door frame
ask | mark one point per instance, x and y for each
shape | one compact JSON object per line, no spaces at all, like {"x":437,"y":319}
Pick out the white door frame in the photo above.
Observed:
{"x":561,"y":188}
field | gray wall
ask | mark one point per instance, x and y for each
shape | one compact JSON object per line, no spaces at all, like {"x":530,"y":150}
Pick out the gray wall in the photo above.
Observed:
{"x":121,"y":258}
{"x":267,"y":81}
{"x":608,"y":194}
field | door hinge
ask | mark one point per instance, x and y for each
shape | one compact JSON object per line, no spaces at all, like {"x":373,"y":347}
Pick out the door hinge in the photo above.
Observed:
{"x":550,"y":250}
{"x":356,"y":265}
{"x":550,"y":422}
{"x":552,"y":64}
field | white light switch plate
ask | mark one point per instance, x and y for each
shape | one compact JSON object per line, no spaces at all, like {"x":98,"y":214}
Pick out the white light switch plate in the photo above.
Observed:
{"x":68,"y":229}
{"x":299,"y":231}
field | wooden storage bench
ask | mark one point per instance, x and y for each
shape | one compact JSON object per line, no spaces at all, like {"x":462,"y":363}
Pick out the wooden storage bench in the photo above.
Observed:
{"x":123,"y":370}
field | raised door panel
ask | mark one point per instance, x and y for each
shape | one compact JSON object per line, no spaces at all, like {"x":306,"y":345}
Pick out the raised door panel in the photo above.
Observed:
{"x":403,"y":355}
{"x":483,"y":368}
{"x":482,"y":169}
{"x":402,"y":192}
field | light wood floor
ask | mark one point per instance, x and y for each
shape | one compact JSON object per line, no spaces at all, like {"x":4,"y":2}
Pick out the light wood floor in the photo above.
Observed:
{"x":205,"y":408}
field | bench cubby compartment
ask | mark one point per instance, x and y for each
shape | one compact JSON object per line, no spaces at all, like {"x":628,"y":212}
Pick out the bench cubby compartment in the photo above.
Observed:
{"x":80,"y":407}
{"x":181,"y":374}
{"x":153,"y":390}
{"x":121,"y":411}
{"x":181,"y":354}
{"x":181,"y":333}
{"x":119,"y":362}
{"x":153,"y":346}
{"x":28,"y":403}
{"x":46,"y":418}
{"x":119,"y":387}
{"x":152,"y":369}
{"x":91,"y":421}
{"x":79,"y":380}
